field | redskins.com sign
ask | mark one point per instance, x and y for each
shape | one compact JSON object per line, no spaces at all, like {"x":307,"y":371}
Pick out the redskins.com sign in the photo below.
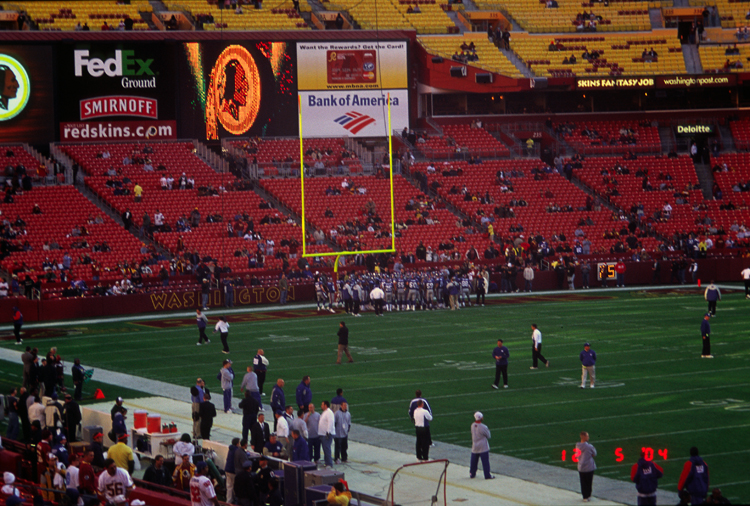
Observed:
{"x":117,"y":92}
{"x":16,"y":87}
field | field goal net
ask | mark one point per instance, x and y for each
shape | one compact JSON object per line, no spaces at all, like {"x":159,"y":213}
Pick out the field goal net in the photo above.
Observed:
{"x":420,"y":483}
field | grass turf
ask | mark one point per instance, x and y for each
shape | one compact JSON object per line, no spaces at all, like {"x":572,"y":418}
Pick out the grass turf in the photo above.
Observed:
{"x":653,"y":390}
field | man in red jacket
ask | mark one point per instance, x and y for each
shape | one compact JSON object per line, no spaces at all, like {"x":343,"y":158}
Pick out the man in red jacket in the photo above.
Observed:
{"x":620,"y":273}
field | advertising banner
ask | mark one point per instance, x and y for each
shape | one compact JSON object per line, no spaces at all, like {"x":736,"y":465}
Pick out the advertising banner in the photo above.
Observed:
{"x":100,"y":131}
{"x":234,"y":89}
{"x":26,"y":97}
{"x":122,"y":91}
{"x":352,"y":65}
{"x":353,"y":113}
{"x":344,"y":88}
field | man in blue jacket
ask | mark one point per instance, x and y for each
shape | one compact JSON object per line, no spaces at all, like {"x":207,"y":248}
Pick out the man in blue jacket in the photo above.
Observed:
{"x":278,"y":399}
{"x":229,"y":469}
{"x":706,"y":335}
{"x":304,"y":394}
{"x":694,"y":478}
{"x":300,"y":449}
{"x":645,"y":474}
{"x":501,"y":355}
{"x":588,"y":365}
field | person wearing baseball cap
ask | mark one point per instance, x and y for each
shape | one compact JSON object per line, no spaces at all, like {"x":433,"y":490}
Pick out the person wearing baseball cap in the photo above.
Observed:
{"x":98,"y":448}
{"x":122,"y":454}
{"x":480,"y":447}
{"x":706,"y":335}
{"x":201,"y":487}
{"x":117,"y":408}
{"x":588,"y":365}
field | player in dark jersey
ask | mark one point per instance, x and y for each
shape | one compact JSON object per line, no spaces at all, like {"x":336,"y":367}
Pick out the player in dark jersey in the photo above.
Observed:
{"x":400,"y":294}
{"x":389,"y":295}
{"x":465,"y":294}
{"x":321,"y":294}
{"x":413,"y":295}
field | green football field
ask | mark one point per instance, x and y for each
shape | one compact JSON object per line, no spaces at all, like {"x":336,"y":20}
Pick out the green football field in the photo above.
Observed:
{"x":653,"y":390}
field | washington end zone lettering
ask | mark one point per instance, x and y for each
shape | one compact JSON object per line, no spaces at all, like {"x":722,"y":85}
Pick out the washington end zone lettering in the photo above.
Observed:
{"x":350,"y":100}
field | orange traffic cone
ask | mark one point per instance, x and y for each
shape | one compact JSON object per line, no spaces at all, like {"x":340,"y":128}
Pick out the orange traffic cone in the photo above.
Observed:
{"x":98,"y":395}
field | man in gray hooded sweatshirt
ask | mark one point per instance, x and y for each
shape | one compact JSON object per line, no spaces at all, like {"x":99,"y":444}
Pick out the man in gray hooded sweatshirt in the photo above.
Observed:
{"x":586,"y":465}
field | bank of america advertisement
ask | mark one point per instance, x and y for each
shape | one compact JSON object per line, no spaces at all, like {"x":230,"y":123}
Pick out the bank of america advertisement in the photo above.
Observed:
{"x":358,"y":113}
{"x":346,"y":88}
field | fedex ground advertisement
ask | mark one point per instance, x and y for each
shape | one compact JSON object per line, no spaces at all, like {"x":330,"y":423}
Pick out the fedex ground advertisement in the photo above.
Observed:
{"x":116,"y":92}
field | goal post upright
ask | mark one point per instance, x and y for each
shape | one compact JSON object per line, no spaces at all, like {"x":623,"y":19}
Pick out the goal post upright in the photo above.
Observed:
{"x":302,"y":174}
{"x":339,"y":254}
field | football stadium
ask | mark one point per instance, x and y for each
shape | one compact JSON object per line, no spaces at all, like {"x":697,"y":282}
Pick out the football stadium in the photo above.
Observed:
{"x":374,"y":252}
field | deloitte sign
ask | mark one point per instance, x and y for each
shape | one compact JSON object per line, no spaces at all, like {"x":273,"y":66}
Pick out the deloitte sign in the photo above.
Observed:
{"x":687,"y":130}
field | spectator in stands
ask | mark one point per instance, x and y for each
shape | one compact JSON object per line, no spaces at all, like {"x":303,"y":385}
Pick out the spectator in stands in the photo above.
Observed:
{"x":137,"y":192}
{"x":339,"y":494}
{"x":156,"y":473}
{"x":71,"y":416}
{"x":183,"y":474}
{"x":339,"y":22}
{"x":53,"y":480}
{"x":506,"y":38}
{"x":112,"y":481}
{"x":8,"y":489}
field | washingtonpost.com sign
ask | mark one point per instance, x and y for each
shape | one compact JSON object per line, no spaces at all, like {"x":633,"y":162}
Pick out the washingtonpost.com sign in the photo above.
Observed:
{"x":356,"y":113}
{"x":118,"y":130}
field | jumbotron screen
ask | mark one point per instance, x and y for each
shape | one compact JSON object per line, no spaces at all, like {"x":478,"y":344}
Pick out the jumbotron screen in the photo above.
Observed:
{"x":232,"y":89}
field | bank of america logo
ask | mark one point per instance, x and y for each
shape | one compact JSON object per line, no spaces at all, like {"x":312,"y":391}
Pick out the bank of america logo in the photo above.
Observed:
{"x":354,"y":121}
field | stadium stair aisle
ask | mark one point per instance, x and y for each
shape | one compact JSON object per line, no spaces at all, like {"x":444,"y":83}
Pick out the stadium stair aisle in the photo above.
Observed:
{"x":490,"y":57}
{"x":350,"y":206}
{"x":63,"y":208}
{"x":629,"y":187}
{"x":178,"y":158}
{"x":534,"y":217}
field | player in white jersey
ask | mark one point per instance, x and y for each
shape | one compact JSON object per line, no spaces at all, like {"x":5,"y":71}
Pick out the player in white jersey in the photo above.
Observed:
{"x":115,"y":483}
{"x":202,"y":491}
{"x":746,"y":277}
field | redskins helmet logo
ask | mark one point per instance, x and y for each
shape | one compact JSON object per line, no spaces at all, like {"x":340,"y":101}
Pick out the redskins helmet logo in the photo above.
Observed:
{"x":15,"y":87}
{"x":233,"y":93}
